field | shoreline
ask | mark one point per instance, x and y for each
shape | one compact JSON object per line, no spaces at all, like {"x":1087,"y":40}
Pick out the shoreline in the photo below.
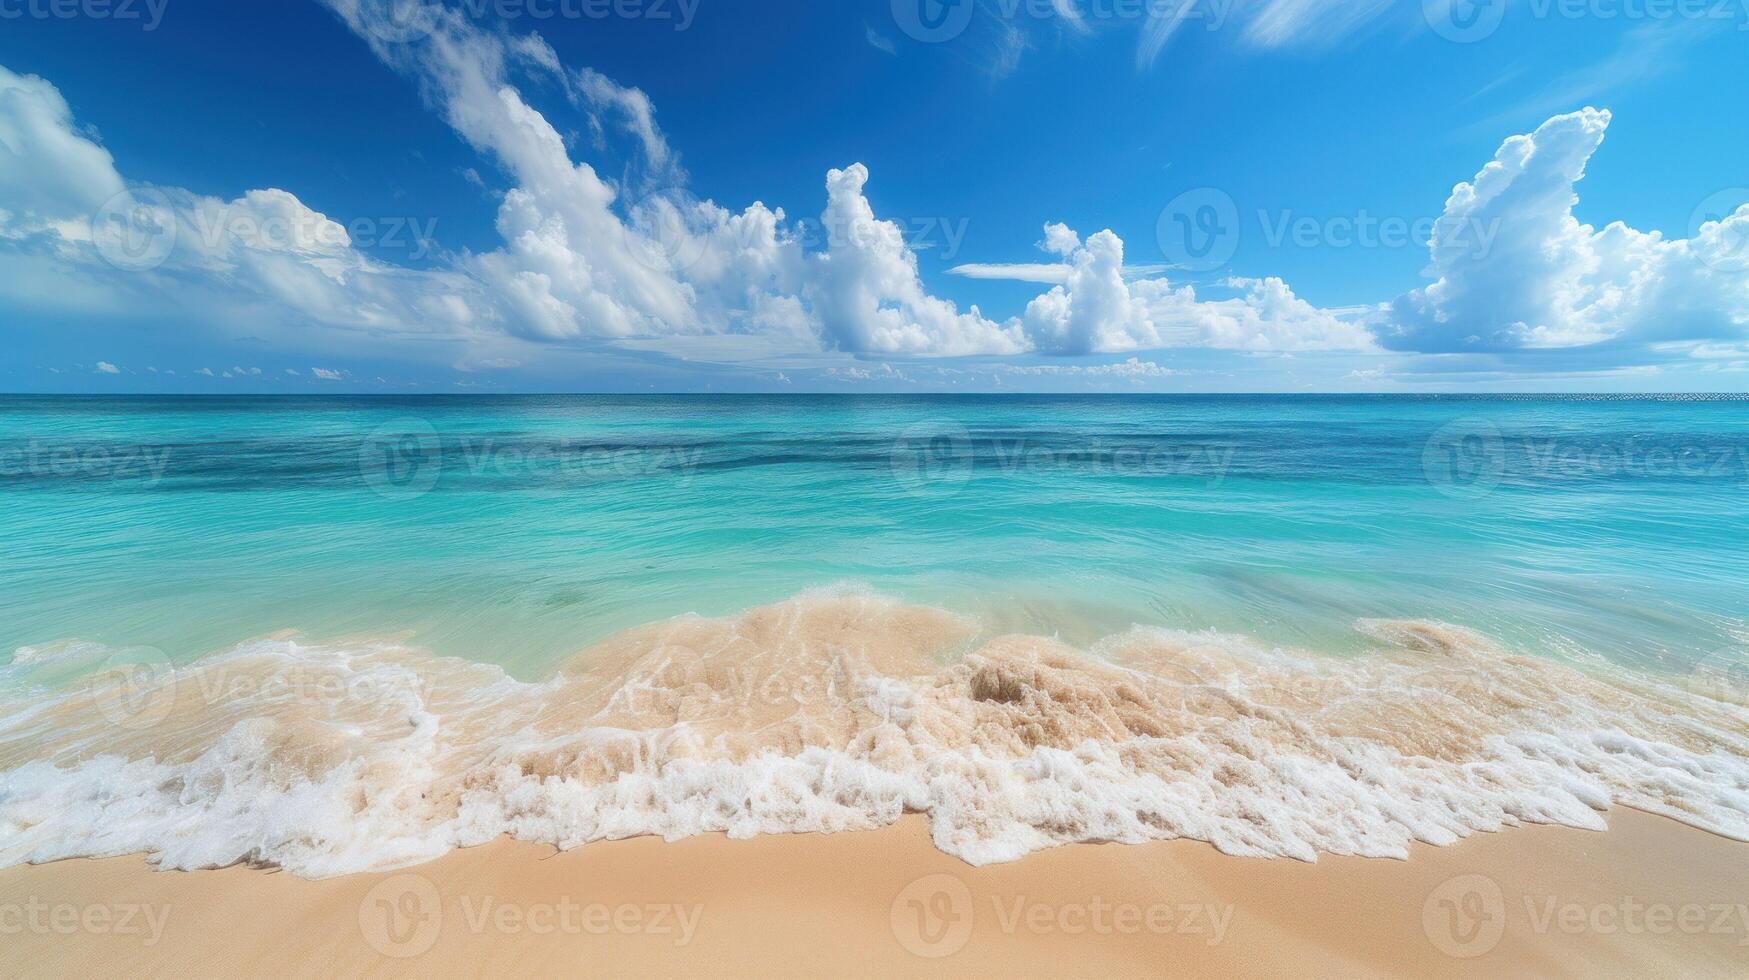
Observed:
{"x":1649,"y":896}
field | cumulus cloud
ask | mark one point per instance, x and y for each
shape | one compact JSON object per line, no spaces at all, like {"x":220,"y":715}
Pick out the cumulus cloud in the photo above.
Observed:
{"x":636,"y":262}
{"x":104,"y":367}
{"x":868,"y":294}
{"x":878,"y":372}
{"x":583,"y":258}
{"x":1264,"y":316}
{"x":264,"y":253}
{"x":1093,"y":310}
{"x":1134,"y":370}
{"x":49,"y":172}
{"x":1546,"y":280}
{"x":1097,"y":307}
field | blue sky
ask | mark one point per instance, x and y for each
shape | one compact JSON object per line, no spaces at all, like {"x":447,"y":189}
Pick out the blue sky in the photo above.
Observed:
{"x":395,"y":195}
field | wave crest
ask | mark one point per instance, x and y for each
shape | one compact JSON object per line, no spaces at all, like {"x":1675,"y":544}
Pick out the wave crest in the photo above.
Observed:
{"x":841,"y":710}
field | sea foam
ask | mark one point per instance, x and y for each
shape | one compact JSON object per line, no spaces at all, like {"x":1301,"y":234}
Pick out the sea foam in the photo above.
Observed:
{"x":838,"y":711}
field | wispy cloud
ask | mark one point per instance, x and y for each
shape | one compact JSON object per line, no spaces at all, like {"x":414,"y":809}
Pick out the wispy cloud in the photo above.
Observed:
{"x":1310,"y":23}
{"x":1644,"y":52}
{"x":879,"y":41}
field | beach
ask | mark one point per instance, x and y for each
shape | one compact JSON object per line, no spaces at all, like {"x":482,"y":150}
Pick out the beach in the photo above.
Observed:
{"x":873,"y":687}
{"x":1648,"y":897}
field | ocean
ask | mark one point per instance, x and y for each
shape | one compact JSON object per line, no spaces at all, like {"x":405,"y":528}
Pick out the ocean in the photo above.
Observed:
{"x":340,"y":634}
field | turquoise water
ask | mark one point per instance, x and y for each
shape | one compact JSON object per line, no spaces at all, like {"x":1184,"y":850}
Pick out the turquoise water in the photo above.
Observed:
{"x":516,"y":530}
{"x":980,"y":667}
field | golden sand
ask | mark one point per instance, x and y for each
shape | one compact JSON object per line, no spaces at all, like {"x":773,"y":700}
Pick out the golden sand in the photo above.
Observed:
{"x":1648,"y":898}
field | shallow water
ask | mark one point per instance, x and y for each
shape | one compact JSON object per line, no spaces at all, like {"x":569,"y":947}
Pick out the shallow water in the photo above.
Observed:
{"x":515,"y":530}
{"x":352,"y":633}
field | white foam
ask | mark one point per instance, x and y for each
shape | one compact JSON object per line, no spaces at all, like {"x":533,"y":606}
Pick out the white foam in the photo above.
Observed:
{"x":1022,"y":745}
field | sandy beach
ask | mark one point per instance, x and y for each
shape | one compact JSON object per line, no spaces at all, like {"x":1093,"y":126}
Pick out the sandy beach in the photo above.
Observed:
{"x":1649,"y":897}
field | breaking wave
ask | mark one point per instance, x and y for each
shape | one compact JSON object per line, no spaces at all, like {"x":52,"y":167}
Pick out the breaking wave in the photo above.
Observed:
{"x":841,"y":710}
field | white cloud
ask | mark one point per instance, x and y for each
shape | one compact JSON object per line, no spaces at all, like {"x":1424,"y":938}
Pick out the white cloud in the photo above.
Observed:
{"x":879,"y":41}
{"x":1049,"y":273}
{"x":868,"y":295}
{"x":1548,"y":281}
{"x":879,"y":372}
{"x":636,"y":263}
{"x":124,"y":249}
{"x":638,"y":116}
{"x":49,"y":173}
{"x":1099,"y":308}
{"x":1303,"y":23}
{"x":1060,"y":240}
{"x":1264,"y":316}
{"x":1134,"y":370}
{"x":104,"y":367}
{"x":204,"y":372}
{"x":579,"y":261}
{"x":1163,"y":22}
{"x":1093,"y":310}
{"x":326,"y":374}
